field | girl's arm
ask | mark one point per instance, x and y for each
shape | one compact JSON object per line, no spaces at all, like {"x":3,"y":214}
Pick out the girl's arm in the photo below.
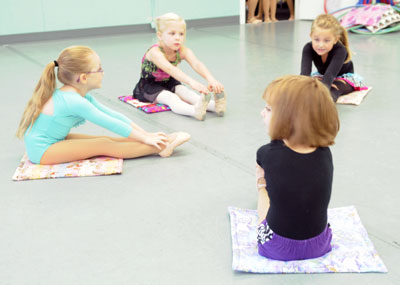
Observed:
{"x":115,"y":114}
{"x":306,"y":60}
{"x":107,"y":110}
{"x":91,"y":112}
{"x":158,"y":58}
{"x":263,"y":198}
{"x":339,"y":55}
{"x":200,"y":68}
{"x":260,"y":180}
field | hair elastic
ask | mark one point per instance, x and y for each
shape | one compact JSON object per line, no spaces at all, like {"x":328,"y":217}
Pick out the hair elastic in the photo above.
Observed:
{"x":55,"y":63}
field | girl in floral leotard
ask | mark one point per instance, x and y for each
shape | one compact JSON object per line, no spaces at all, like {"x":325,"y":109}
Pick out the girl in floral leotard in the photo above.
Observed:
{"x":160,"y":80}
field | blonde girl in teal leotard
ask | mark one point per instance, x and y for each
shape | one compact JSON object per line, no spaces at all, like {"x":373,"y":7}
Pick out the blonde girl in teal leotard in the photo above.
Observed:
{"x":51,"y":113}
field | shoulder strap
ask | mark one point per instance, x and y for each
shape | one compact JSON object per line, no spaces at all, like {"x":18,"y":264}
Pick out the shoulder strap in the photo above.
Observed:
{"x":155,"y":45}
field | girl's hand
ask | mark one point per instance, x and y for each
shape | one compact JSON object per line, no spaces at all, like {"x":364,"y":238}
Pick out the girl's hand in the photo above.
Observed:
{"x":158,"y":134}
{"x":199,"y":87}
{"x":261,"y":183}
{"x":156,"y":139}
{"x":215,"y":86}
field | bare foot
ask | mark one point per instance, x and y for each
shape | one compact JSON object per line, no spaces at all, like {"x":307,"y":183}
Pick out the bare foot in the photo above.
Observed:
{"x":291,"y":18}
{"x":267,"y":20}
{"x":175,"y":140}
{"x":274,"y":20}
{"x":253,"y":21}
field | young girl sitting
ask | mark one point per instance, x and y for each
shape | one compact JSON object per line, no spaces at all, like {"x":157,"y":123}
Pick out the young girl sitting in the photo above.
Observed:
{"x":160,"y":74}
{"x":51,"y":113}
{"x":330,"y":52}
{"x":295,"y":169}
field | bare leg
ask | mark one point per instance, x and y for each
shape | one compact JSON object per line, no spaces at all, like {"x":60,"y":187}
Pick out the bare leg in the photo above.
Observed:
{"x":273,"y":10}
{"x":252,"y":4}
{"x":266,"y":8}
{"x":81,"y":146}
{"x":74,"y":136}
{"x":291,"y":9}
{"x":260,"y":14}
{"x":76,"y":149}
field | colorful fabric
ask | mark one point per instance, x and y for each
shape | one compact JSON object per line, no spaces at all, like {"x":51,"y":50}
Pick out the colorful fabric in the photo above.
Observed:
{"x":353,"y":98}
{"x":354,"y":79}
{"x":145,"y":107}
{"x":352,"y":250}
{"x":154,"y":80}
{"x":375,"y":1}
{"x":150,"y":70}
{"x":87,"y":167}
{"x":373,"y":17}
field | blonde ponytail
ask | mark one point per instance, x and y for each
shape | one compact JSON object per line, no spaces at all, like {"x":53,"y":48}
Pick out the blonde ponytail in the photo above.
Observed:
{"x":43,"y":91}
{"x":329,"y":22}
{"x":344,"y":39}
{"x":71,"y":62}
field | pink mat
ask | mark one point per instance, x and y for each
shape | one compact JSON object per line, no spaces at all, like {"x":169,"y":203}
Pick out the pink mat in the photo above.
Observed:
{"x":145,"y":107}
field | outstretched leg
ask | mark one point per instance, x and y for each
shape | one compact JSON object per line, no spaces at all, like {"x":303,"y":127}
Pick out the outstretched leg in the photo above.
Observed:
{"x":192,"y":97}
{"x":340,"y":88}
{"x":83,"y":148}
{"x":183,"y":107}
{"x":175,"y":103}
{"x":80,"y":146}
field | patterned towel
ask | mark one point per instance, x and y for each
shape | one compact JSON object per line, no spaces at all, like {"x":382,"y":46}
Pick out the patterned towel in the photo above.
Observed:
{"x":352,"y":250}
{"x":145,"y":107}
{"x":373,"y":17}
{"x":353,"y":98}
{"x":87,"y":167}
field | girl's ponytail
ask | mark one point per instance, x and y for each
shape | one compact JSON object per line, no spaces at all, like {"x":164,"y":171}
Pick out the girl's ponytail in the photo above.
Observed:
{"x":72,"y":61}
{"x":43,"y":91}
{"x":344,"y":39}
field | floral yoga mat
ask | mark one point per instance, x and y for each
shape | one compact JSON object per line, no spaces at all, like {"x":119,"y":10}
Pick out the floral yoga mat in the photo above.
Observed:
{"x":145,"y":107}
{"x":352,"y":250}
{"x":353,"y":98}
{"x":88,"y":167}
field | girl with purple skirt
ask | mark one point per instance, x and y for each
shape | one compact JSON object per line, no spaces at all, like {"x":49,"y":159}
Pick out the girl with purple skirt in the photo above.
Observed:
{"x":295,"y":170}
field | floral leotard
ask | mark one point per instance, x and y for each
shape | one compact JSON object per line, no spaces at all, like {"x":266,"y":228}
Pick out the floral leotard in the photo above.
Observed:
{"x":153,"y":80}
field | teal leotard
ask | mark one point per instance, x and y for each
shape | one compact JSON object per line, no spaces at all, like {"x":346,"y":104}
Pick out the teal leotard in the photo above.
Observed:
{"x":70,"y":110}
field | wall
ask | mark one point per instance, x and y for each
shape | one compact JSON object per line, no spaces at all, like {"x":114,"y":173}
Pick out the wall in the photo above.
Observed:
{"x":310,"y":9}
{"x":31,"y":16}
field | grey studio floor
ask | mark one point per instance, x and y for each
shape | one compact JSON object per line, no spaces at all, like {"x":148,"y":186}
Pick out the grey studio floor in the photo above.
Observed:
{"x":165,"y":220}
